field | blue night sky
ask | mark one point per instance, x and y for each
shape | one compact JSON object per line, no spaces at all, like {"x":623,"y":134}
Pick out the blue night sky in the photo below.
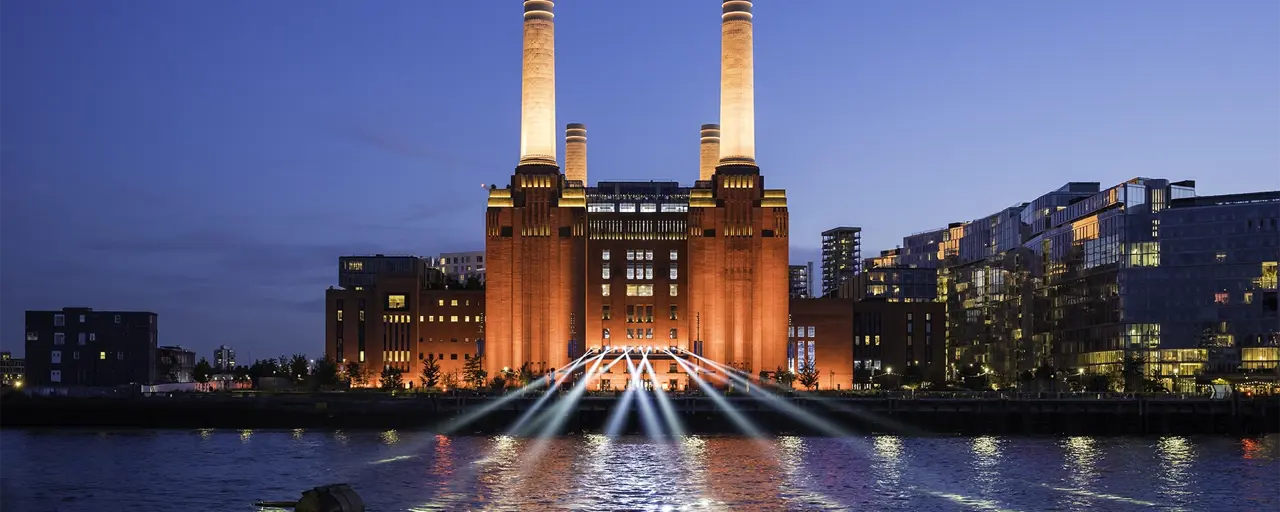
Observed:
{"x":210,"y":161}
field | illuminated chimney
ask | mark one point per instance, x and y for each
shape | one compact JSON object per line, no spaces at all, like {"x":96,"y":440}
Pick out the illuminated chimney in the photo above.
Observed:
{"x":737,"y":85}
{"x":538,"y":85}
{"x":710,"y":151}
{"x":575,"y":152}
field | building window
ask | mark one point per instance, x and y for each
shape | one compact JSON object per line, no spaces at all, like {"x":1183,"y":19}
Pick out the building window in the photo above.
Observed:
{"x":453,"y":302}
{"x":453,"y":318}
{"x":117,"y":318}
{"x":466,"y":318}
{"x":631,"y":313}
{"x":339,"y":315}
{"x":604,"y":290}
{"x":673,"y":290}
{"x":439,"y":302}
{"x":674,"y":255}
{"x":604,"y":272}
{"x":80,"y":339}
{"x":675,"y":313}
{"x":604,"y":255}
{"x":1221,"y":256}
{"x":81,"y":318}
{"x":59,"y":338}
{"x":76,"y":355}
{"x":648,"y":254}
{"x":639,"y":290}
{"x":33,"y":336}
{"x":1221,"y":297}
{"x":811,"y":330}
{"x":453,"y":357}
{"x":55,"y":375}
{"x":674,"y":335}
{"x":675,"y":272}
{"x":55,"y":357}
{"x":605,"y":312}
{"x":395,"y":302}
{"x":120,"y":356}
{"x":631,"y":333}
{"x":1248,"y":297}
{"x":648,"y":333}
{"x":102,"y":356}
{"x":631,"y":254}
{"x":605,"y":333}
{"x":59,"y":320}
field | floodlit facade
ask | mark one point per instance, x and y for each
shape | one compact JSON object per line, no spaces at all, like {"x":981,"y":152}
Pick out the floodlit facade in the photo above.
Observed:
{"x":572,"y":267}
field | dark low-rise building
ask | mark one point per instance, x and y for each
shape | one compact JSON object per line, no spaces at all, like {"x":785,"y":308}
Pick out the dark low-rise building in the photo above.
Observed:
{"x":12,"y":369}
{"x":175,"y":365}
{"x":83,"y":347}
{"x":896,"y":343}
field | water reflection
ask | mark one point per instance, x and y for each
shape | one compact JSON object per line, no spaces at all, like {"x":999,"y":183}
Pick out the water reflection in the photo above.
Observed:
{"x":1176,"y":458}
{"x":77,"y":471}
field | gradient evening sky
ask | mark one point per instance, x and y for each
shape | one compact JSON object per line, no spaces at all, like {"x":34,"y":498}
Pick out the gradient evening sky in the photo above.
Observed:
{"x":210,"y":161}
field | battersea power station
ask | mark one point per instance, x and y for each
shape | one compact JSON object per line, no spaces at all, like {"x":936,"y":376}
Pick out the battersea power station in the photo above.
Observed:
{"x":571,"y":268}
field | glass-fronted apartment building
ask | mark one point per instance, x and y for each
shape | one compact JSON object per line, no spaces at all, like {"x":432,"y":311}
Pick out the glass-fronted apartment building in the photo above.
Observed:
{"x":1082,"y":277}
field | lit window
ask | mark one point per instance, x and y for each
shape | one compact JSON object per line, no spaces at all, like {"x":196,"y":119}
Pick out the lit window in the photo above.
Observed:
{"x":673,"y":290}
{"x":811,"y":330}
{"x":631,"y":334}
{"x":1248,"y":297}
{"x":362,"y":356}
{"x":453,"y":318}
{"x":648,"y":270}
{"x":102,"y":356}
{"x":674,"y":255}
{"x":648,"y":255}
{"x":631,"y":271}
{"x":605,"y":333}
{"x":604,"y":255}
{"x":1221,"y":297}
{"x":604,"y":290}
{"x":431,"y":318}
{"x":395,"y":301}
{"x":339,"y":315}
{"x":675,"y":272}
{"x":422,"y":318}
{"x":648,"y":333}
{"x":440,"y":302}
{"x":466,"y":318}
{"x":453,"y":302}
{"x":631,"y":255}
{"x":604,"y":272}
{"x":355,"y":265}
{"x":673,"y":336}
{"x":1221,"y":256}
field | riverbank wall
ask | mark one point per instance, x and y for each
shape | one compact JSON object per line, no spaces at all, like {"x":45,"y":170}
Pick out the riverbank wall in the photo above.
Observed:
{"x":698,"y":414}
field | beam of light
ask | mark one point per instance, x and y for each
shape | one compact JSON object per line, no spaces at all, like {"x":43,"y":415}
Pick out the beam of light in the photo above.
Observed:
{"x":459,"y":422}
{"x":618,"y":417}
{"x":560,"y":412}
{"x":647,"y":417}
{"x":664,"y":403}
{"x":740,"y":421}
{"x":782,"y":405}
{"x":551,"y":390}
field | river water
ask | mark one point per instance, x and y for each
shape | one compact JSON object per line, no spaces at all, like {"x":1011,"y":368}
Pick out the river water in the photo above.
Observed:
{"x":226,"y":470}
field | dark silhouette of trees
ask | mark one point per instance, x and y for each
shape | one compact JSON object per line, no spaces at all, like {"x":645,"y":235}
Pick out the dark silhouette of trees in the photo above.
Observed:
{"x":430,"y":372}
{"x":392,"y":378}
{"x":202,"y":372}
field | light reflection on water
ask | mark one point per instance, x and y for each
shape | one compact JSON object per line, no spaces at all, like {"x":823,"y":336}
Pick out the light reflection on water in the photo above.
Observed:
{"x":228,"y":469}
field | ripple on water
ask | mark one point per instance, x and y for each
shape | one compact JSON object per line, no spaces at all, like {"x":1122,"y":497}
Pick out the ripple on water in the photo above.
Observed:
{"x":144,"y":471}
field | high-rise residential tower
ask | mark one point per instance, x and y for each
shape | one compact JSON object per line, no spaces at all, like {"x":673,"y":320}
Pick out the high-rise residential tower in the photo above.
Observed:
{"x":841,"y":257}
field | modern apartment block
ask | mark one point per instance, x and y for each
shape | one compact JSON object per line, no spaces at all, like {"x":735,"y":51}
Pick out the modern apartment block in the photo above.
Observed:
{"x":1083,"y":277}
{"x":841,"y":257}
{"x":462,"y":265}
{"x":801,"y":281}
{"x":224,"y":359}
{"x":83,"y":347}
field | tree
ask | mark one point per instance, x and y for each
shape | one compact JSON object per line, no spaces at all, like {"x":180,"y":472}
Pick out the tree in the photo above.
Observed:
{"x":764,"y":376}
{"x":912,"y":376}
{"x":325,"y":373}
{"x":526,"y":375}
{"x":498,"y":383}
{"x":473,"y":372}
{"x":392,"y":378}
{"x":1132,"y":370}
{"x":784,"y":377}
{"x":203,"y":371}
{"x":808,"y":375}
{"x":430,"y":372}
{"x":449,"y":381}
{"x":298,"y":367}
{"x":242,"y":373}
{"x":264,"y":368}
{"x":355,"y":373}
{"x":282,"y":364}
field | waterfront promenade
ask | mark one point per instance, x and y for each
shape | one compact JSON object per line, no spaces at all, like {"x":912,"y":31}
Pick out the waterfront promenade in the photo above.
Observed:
{"x":1088,"y":414}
